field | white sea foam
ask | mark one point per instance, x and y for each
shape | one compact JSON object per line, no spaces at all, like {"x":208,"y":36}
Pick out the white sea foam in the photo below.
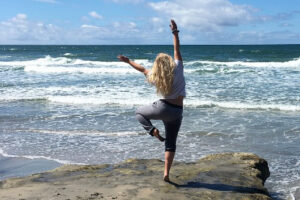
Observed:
{"x":99,"y":101}
{"x":49,"y":64}
{"x":292,"y":63}
{"x":222,"y":70}
{"x":238,"y":105}
{"x":68,"y":54}
{"x":59,"y":61}
{"x":69,"y":65}
{"x":135,"y":100}
{"x":38,"y":157}
{"x":85,"y":70}
{"x":86,"y":133}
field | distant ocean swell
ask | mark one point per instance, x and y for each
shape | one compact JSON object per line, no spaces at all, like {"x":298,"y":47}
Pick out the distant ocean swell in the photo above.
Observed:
{"x":72,"y":65}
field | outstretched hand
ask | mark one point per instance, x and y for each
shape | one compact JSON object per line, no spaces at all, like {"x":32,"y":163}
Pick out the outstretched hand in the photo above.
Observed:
{"x":123,"y":58}
{"x":173,"y":25}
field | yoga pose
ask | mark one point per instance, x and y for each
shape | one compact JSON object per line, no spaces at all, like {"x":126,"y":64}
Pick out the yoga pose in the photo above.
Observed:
{"x":167,"y":76}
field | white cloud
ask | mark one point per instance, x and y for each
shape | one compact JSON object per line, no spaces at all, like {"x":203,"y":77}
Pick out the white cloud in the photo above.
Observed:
{"x":158,"y":24}
{"x":19,"y":17}
{"x":95,"y":15}
{"x":87,"y":26}
{"x":208,"y":15}
{"x":20,"y":30}
{"x":132,"y":25}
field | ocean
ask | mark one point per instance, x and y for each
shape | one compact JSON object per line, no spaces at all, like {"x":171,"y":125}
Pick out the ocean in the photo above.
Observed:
{"x":76,"y":104}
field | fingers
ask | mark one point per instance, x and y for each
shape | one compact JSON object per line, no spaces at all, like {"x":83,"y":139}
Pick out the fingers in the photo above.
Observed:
{"x":173,"y":24}
{"x":120,"y":57}
{"x":123,"y":58}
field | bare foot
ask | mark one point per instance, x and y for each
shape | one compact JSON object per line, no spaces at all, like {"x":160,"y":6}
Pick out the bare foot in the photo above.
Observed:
{"x":166,"y":178}
{"x":157,"y":135}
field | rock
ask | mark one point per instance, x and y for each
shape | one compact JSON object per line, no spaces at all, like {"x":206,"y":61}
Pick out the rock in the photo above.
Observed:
{"x":218,"y":176}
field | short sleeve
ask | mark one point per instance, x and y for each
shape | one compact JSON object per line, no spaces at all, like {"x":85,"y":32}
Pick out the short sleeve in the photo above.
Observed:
{"x":178,"y":63}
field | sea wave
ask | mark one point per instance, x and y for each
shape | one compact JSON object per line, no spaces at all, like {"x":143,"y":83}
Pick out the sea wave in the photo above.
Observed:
{"x":85,"y":70}
{"x":69,"y":54}
{"x":70,"y":65}
{"x":98,"y":101}
{"x":38,"y":157}
{"x":127,"y":101}
{"x":86,"y":133}
{"x":242,"y":106}
{"x":63,"y":61}
{"x":295,"y":63}
{"x":50,"y":64}
{"x":215,"y":70}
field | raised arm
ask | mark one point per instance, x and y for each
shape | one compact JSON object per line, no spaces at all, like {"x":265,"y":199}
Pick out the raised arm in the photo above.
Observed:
{"x":177,"y":54}
{"x":136,"y":66}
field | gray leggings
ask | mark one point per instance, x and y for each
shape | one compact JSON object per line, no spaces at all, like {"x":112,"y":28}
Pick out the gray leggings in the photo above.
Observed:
{"x":170,"y":114}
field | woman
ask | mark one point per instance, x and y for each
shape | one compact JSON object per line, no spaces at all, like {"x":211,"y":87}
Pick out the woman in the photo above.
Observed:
{"x":167,"y":75}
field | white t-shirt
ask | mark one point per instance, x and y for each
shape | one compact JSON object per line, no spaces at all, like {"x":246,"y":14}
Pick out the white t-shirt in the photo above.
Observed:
{"x":178,"y":87}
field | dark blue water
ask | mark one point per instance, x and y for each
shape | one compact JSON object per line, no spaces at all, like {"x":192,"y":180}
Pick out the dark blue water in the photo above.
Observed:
{"x":75,"y":104}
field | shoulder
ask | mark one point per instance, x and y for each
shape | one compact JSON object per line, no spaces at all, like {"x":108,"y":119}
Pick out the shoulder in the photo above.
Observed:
{"x":178,"y":63}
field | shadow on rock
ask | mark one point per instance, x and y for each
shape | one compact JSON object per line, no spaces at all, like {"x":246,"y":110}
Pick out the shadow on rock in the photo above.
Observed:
{"x":219,"y":187}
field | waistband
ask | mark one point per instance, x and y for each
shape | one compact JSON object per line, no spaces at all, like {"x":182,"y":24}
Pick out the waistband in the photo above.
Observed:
{"x":170,"y":104}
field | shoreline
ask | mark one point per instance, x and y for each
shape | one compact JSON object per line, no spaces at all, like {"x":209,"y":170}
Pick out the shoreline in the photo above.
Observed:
{"x":216,"y":176}
{"x":16,"y":167}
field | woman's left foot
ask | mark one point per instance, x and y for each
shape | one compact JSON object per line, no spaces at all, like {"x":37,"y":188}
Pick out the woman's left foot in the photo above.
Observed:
{"x":157,"y":135}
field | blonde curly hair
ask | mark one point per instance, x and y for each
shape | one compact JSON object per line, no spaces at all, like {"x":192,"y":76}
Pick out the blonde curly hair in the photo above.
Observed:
{"x":162,"y":74}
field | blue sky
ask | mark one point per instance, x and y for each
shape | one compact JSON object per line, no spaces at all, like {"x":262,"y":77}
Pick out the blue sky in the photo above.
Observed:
{"x":146,"y":22}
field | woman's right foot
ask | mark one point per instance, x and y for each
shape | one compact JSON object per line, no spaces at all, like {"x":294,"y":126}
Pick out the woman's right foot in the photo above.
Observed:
{"x":166,"y":179}
{"x":157,"y":135}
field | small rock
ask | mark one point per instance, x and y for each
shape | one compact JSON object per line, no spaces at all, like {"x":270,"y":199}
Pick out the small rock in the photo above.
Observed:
{"x":95,"y":194}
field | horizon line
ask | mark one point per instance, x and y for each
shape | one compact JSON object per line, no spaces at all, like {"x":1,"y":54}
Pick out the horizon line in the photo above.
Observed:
{"x":146,"y":44}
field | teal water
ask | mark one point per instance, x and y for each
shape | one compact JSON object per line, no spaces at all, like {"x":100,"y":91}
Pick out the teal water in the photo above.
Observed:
{"x":75,"y":104}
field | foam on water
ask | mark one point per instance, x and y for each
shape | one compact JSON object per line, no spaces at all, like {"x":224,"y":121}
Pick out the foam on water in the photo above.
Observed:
{"x":87,"y":133}
{"x":138,"y":101}
{"x":238,"y":105}
{"x":38,"y":157}
{"x":86,"y":70}
{"x":48,"y":60}
{"x":287,"y":64}
{"x":68,"y":54}
{"x":68,"y":65}
{"x":99,"y":101}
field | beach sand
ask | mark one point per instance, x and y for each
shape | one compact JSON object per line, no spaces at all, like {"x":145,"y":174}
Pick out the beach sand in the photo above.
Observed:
{"x":219,"y":176}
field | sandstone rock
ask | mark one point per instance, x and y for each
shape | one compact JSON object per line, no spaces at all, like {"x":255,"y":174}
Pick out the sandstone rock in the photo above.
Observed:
{"x":218,"y":176}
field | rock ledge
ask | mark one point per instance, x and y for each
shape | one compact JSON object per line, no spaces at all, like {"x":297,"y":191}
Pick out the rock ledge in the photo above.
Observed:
{"x":218,"y":176}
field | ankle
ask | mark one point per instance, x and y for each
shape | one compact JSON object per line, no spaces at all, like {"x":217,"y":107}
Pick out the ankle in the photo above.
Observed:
{"x":166,"y":178}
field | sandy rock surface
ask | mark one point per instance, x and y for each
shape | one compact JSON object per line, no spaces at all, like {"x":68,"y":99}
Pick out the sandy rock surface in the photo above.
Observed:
{"x":218,"y":176}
